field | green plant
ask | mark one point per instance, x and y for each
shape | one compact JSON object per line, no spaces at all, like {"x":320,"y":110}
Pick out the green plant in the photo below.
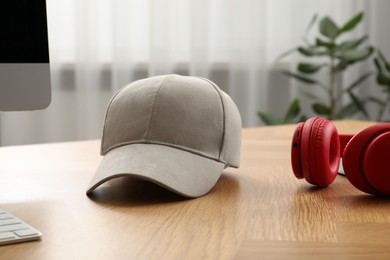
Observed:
{"x":328,"y":52}
{"x":291,"y":116}
{"x":383,"y":80}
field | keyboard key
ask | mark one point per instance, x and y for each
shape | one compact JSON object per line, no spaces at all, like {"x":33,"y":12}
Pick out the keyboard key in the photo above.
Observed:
{"x":9,"y":221}
{"x":7,"y":235}
{"x":5,"y":216}
{"x":12,"y":227}
{"x":26,"y":232}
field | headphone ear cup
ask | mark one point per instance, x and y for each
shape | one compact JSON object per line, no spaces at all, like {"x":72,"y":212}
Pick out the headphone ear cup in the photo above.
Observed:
{"x":366,"y":162}
{"x":320,"y":151}
{"x":296,"y":152}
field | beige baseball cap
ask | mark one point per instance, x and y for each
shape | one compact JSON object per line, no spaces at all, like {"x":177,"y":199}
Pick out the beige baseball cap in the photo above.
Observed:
{"x":179,"y":132}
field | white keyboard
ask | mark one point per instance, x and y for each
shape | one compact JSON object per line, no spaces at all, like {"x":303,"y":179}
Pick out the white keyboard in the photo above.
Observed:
{"x":13,"y":230}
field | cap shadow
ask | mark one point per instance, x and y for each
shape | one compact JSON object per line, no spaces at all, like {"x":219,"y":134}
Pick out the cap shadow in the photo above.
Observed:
{"x":128,"y":191}
{"x":131,"y":191}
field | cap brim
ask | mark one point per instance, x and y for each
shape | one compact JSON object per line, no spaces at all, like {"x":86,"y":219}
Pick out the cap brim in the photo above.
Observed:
{"x":182,"y":172}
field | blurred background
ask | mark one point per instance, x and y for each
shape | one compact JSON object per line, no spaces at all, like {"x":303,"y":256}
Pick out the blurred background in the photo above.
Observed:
{"x":98,"y":46}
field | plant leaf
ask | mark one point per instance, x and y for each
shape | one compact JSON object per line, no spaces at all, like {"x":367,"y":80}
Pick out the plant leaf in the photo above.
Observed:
{"x":285,"y":54}
{"x":305,"y":51}
{"x":351,"y":56}
{"x":300,"y":78}
{"x":382,"y":57}
{"x":358,"y":103}
{"x":351,"y":44}
{"x":347,"y":110}
{"x":308,"y":94}
{"x":308,"y":68}
{"x":378,"y":65}
{"x":292,"y":111}
{"x":322,"y":43}
{"x":377,"y":101}
{"x":311,"y":51}
{"x":382,"y":79}
{"x":303,"y":118}
{"x":269,"y":119}
{"x":312,"y":21}
{"x":358,"y":81}
{"x":321,"y":109}
{"x":328,"y":28}
{"x":351,"y":23}
{"x":341,"y":66}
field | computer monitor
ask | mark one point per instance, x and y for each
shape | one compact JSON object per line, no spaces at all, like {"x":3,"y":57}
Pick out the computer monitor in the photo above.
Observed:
{"x":24,"y":78}
{"x":24,"y":56}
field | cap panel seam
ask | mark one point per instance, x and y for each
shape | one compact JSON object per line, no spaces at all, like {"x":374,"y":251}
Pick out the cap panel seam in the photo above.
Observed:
{"x":105,"y":119}
{"x":154,"y":107}
{"x":223,"y":117}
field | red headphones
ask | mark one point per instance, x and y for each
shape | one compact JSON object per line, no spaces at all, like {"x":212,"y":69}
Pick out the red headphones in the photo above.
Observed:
{"x":317,"y":147}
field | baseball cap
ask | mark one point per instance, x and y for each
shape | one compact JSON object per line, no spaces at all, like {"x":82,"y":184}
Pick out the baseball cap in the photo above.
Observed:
{"x":178,"y":132}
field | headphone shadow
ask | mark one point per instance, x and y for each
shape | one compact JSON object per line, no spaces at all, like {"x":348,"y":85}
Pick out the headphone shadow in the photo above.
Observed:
{"x":369,"y":201}
{"x":128,"y":191}
{"x":314,"y":189}
{"x":357,"y":200}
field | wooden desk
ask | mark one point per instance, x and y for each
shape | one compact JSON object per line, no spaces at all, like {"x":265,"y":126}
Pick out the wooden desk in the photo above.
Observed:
{"x":257,"y":211}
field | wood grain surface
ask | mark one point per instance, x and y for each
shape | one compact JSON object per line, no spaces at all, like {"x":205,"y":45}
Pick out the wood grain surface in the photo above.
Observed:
{"x":259,"y":205}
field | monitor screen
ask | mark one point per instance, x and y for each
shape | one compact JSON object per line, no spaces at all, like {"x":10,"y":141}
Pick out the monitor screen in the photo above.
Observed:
{"x":24,"y":56}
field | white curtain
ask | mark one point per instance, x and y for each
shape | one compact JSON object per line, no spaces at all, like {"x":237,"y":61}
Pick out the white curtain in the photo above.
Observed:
{"x":98,"y":46}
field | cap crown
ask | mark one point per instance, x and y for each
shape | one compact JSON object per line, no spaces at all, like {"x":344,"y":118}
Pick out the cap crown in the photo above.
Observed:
{"x":187,"y":113}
